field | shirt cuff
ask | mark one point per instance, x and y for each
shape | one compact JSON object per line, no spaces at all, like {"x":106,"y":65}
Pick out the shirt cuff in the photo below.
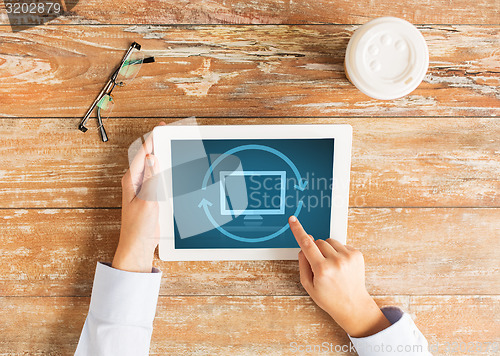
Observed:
{"x":125,"y":297}
{"x":402,"y":337}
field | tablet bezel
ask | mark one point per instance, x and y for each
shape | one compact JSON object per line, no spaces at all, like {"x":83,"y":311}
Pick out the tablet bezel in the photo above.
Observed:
{"x":162,"y":137}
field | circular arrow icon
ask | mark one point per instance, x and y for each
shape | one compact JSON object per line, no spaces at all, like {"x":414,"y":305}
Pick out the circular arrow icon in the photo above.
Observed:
{"x":301,"y":185}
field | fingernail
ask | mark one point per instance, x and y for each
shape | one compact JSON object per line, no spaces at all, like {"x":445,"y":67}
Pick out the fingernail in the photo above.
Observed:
{"x":150,"y":160}
{"x":293,"y":219}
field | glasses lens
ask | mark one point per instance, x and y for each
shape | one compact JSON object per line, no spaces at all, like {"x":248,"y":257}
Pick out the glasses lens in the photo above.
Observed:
{"x":130,"y":67}
{"x":105,"y":106}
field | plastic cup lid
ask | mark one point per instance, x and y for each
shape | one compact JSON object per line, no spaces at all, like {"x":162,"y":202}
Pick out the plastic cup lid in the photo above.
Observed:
{"x":387,"y":58}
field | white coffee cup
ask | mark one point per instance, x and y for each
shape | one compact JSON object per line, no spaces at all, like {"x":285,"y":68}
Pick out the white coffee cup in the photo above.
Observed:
{"x":386,"y":58}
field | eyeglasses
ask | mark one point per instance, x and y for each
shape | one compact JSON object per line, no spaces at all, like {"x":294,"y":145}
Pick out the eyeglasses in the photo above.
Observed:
{"x":125,"y":73}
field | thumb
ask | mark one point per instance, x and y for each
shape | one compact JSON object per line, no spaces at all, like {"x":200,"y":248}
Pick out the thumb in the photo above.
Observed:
{"x":150,"y":167}
{"x":149,"y":185}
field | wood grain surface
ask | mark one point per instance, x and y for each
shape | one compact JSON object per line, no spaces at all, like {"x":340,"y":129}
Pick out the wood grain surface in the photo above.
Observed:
{"x":425,"y":186}
{"x":226,"y":71}
{"x":397,"y":162}
{"x":222,"y":325}
{"x":53,"y":252}
{"x":274,"y":12}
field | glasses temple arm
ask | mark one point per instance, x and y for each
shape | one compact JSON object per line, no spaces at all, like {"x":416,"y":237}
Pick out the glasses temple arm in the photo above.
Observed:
{"x":81,"y":126}
{"x":102,"y":131}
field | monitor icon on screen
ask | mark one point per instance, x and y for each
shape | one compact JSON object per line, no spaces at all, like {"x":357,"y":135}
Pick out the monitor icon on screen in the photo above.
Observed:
{"x":252,"y":193}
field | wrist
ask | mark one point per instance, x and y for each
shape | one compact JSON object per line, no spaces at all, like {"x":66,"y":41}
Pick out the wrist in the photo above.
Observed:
{"x":133,"y":260}
{"x":364,"y":319}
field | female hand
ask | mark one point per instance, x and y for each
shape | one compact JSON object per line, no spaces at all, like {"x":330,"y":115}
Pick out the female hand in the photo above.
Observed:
{"x":139,"y":234}
{"x":334,"y":276}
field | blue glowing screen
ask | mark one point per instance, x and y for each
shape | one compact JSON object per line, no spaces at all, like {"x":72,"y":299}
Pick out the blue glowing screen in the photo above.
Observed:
{"x":231,"y":193}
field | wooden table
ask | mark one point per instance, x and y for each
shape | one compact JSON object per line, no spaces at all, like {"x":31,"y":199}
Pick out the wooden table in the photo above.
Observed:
{"x":425,"y":192}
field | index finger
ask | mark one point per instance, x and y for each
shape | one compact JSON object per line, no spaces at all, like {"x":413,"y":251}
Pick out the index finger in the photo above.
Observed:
{"x":306,"y":243}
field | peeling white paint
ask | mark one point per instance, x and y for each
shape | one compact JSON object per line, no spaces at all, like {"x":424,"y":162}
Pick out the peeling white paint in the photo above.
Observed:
{"x":204,"y":80}
{"x":407,"y":179}
{"x":463,"y":82}
{"x":34,"y":70}
{"x":25,"y":228}
{"x":93,"y":44}
{"x":409,"y":100}
{"x":49,"y":211}
{"x":288,"y":99}
{"x":146,"y":31}
{"x":267,"y":67}
{"x":192,"y":50}
{"x":74,"y":20}
{"x":21,"y":251}
{"x":16,"y":213}
{"x":322,"y":66}
{"x":321,"y":105}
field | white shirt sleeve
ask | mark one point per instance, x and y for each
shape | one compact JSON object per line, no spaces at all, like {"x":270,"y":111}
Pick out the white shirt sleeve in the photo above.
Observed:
{"x":401,"y":338}
{"x":121,"y":313}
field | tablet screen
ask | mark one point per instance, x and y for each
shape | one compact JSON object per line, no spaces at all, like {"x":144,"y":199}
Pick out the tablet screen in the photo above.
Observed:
{"x":230,"y":193}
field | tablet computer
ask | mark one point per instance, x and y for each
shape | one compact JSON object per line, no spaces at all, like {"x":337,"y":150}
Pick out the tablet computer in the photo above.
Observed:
{"x":229,"y":190}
